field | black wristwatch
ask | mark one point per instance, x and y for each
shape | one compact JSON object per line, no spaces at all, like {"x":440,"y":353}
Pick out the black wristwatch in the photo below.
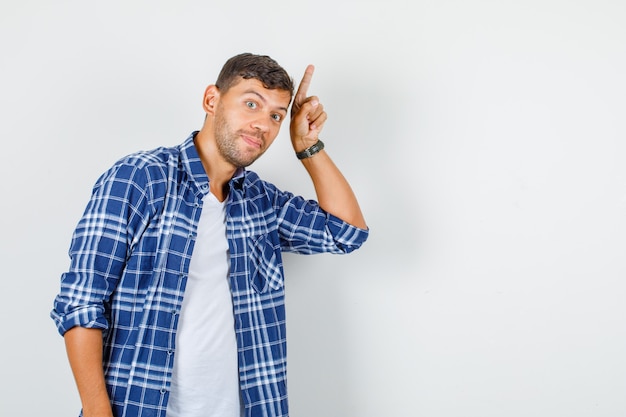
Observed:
{"x":311,"y":150}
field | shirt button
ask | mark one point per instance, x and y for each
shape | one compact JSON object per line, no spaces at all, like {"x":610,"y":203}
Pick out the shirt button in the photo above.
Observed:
{"x":163,"y":390}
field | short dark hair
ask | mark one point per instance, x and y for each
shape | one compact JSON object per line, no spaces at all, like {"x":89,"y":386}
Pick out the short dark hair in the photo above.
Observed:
{"x":260,"y":67}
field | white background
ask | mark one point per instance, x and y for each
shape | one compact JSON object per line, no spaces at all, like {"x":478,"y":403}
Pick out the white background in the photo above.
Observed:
{"x":485,"y":139}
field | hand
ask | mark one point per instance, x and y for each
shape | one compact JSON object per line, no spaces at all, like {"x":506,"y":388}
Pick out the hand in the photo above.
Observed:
{"x":307,"y":115}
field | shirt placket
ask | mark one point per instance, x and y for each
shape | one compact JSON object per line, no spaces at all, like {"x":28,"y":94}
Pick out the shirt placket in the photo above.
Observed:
{"x":191,"y":202}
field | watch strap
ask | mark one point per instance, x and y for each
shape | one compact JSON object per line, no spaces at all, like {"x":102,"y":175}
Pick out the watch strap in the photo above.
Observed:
{"x":311,"y":150}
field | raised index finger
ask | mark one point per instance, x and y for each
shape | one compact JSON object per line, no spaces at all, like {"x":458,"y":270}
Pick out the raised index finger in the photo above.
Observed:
{"x":303,"y":88}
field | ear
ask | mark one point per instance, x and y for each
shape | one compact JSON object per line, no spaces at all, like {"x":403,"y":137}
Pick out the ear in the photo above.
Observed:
{"x":211,"y":97}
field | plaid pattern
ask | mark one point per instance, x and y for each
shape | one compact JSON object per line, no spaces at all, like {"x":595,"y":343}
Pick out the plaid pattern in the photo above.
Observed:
{"x":130,"y":257}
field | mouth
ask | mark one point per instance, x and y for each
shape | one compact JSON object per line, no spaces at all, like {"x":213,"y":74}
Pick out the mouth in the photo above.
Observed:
{"x":252,"y":140}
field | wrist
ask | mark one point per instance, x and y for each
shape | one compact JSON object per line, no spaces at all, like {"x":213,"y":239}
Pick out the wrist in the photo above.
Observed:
{"x":311,"y":150}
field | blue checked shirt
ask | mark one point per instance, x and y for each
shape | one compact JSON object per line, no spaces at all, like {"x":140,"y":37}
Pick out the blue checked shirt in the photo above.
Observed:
{"x":130,"y":257}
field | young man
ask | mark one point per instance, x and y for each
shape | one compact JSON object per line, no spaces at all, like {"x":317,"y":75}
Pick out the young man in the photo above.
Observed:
{"x":174,"y":301}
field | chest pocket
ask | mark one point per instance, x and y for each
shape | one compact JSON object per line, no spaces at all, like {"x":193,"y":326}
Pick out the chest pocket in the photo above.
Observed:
{"x":265,"y":264}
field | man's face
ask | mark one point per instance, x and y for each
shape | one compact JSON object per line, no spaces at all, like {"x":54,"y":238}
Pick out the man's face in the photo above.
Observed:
{"x":247,"y":120}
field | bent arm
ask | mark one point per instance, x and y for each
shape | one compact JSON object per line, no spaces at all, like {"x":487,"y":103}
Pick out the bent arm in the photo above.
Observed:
{"x":84,"y":351}
{"x":333,"y":191}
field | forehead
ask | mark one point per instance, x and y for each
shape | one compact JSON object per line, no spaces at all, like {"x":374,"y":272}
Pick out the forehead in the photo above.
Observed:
{"x":254,"y":87}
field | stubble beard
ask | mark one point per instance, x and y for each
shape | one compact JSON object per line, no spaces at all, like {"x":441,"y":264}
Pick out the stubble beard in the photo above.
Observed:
{"x":227,"y":142}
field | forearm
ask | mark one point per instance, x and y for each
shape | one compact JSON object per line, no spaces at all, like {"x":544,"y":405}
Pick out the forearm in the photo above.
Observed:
{"x":333,"y":191}
{"x":84,"y":350}
{"x":334,"y":194}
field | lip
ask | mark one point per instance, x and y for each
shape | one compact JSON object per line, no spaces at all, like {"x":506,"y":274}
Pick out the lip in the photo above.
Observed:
{"x":252,"y":141}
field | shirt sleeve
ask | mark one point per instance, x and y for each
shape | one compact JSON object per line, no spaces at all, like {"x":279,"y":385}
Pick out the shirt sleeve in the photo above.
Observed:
{"x":305,"y":228}
{"x":100,"y":244}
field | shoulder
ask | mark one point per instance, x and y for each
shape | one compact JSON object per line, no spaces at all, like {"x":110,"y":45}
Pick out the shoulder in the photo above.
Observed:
{"x":159,"y":157}
{"x":140,"y":176}
{"x":255,"y":185}
{"x":266,"y":193}
{"x":150,"y":164}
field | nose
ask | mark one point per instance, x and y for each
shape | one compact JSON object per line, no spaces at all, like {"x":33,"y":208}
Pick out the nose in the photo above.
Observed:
{"x":261,"y":123}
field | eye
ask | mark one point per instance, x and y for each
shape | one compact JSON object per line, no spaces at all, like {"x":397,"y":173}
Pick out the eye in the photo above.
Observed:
{"x":251,"y":104}
{"x":277,"y":117}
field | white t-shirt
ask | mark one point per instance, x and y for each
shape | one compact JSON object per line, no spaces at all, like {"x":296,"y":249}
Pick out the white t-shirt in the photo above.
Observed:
{"x":205,"y":380}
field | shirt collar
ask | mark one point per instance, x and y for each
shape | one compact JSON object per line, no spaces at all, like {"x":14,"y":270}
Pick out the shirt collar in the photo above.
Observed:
{"x":238,"y":178}
{"x":193,"y":165}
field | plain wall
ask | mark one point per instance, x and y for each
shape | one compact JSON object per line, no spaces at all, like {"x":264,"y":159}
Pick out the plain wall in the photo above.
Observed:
{"x":486,"y":141}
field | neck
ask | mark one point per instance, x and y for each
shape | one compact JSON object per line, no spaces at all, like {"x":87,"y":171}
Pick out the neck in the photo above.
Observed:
{"x":219,"y":171}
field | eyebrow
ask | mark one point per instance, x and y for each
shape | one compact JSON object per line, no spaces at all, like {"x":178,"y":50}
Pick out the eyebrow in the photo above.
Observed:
{"x":256,"y":93}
